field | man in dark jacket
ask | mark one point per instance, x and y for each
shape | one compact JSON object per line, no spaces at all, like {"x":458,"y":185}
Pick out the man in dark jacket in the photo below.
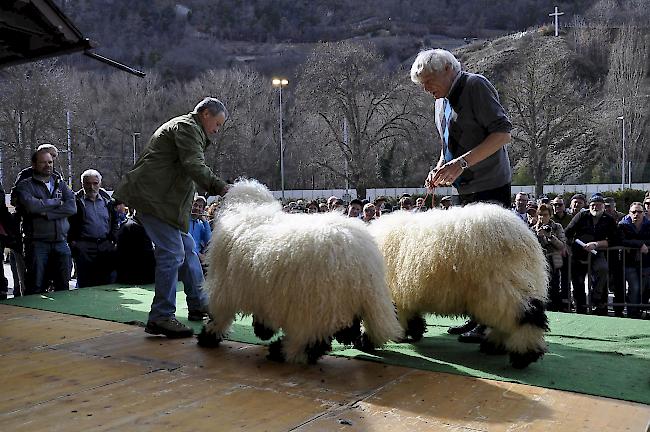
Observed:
{"x":635,"y":233}
{"x":46,"y":202}
{"x":17,"y":257}
{"x":161,"y":187}
{"x":92,"y":232}
{"x":591,"y":233}
{"x":134,"y":258}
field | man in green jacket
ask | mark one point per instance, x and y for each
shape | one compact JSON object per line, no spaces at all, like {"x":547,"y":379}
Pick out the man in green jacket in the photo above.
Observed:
{"x":161,"y":187}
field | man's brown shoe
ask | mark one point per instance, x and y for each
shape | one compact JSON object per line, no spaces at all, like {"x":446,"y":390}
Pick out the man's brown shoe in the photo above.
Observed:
{"x":169,"y":327}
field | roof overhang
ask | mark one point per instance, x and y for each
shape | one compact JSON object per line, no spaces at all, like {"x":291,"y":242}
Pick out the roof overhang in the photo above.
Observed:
{"x":32,"y":30}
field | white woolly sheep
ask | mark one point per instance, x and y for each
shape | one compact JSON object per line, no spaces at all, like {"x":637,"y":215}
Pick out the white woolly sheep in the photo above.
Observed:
{"x":479,"y":260}
{"x":315,"y":276}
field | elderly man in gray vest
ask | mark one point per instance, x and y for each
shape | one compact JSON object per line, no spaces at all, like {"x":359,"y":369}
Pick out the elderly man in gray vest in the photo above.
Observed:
{"x":474,"y":130}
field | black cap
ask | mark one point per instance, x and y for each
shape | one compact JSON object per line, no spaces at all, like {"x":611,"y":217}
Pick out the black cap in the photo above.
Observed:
{"x":597,"y":198}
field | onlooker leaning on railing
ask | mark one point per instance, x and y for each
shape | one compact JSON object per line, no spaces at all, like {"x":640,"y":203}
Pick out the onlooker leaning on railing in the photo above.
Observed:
{"x":594,"y":230}
{"x":635,"y":233}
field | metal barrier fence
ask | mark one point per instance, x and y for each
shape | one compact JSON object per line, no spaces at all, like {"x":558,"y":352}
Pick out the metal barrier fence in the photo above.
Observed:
{"x":616,"y":261}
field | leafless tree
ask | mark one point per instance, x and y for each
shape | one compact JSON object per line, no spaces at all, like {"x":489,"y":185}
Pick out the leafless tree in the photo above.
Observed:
{"x":544,"y":106}
{"x":246,"y":145}
{"x":626,"y":94}
{"x":344,"y":82}
{"x":112,"y":107}
{"x":34,"y":99}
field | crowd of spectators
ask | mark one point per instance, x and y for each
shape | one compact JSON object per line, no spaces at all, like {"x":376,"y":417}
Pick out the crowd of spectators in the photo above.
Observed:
{"x":592,"y":241}
{"x":53,"y":230}
{"x":588,"y":241}
{"x":54,"y":227}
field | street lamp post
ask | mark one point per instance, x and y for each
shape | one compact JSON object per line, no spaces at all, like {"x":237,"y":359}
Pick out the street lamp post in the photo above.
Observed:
{"x":622,"y":119}
{"x":135,"y":139}
{"x":279,"y":83}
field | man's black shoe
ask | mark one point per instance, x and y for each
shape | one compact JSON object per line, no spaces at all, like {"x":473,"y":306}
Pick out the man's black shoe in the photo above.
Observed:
{"x":469,"y":325}
{"x":476,"y":335}
{"x":197,"y":314}
{"x":169,"y":327}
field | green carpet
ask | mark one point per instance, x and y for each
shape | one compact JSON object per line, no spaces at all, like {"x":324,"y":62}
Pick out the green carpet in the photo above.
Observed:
{"x":587,"y":354}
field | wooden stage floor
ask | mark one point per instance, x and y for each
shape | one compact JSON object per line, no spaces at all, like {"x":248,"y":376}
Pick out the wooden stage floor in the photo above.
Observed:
{"x":68,"y":373}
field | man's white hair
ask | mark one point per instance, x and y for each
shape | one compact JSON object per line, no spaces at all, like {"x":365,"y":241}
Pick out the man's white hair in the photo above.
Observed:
{"x":91,"y":173}
{"x":433,"y":60}
{"x":51,"y":149}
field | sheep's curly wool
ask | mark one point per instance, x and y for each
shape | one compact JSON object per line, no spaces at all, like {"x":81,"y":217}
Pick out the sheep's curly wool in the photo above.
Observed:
{"x":310,"y":275}
{"x":479,"y":260}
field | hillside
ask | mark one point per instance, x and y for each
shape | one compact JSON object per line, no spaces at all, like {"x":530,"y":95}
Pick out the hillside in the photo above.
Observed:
{"x":180,"y":39}
{"x":572,"y":89}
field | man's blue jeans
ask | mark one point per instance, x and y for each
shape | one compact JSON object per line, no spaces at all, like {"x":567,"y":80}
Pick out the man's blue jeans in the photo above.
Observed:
{"x":47,"y":261}
{"x":637,"y":284}
{"x":175,"y":260}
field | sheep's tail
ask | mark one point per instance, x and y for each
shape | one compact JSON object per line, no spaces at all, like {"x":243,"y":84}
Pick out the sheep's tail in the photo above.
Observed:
{"x":380,"y":318}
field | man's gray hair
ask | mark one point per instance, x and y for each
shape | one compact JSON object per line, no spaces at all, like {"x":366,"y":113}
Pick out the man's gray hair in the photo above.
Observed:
{"x":91,"y":173}
{"x":213,"y":105}
{"x":51,"y":149}
{"x":433,"y":60}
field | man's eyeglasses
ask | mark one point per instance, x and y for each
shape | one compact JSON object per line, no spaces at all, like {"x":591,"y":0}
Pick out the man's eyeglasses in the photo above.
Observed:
{"x":636,"y":211}
{"x":646,"y":203}
{"x":561,"y":204}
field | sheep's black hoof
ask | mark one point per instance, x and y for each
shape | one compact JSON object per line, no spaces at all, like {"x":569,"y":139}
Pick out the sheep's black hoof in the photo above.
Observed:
{"x":522,"y":360}
{"x":364,"y":344}
{"x":415,"y":328}
{"x":275,"y":352}
{"x":317,"y":350}
{"x":491,"y":348}
{"x":261,"y":331}
{"x":207,"y":339}
{"x":349,"y":335}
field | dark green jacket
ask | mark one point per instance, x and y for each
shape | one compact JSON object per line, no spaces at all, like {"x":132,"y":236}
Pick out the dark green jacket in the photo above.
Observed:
{"x":163,"y":181}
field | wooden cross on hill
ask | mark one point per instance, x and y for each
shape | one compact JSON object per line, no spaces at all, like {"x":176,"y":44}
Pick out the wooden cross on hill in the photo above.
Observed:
{"x":556,"y":15}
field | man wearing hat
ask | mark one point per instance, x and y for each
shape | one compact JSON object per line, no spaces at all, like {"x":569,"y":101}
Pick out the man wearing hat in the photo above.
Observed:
{"x":531,"y":212}
{"x":577,"y":203}
{"x":610,"y":209}
{"x":590,"y":233}
{"x":445,"y":202}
